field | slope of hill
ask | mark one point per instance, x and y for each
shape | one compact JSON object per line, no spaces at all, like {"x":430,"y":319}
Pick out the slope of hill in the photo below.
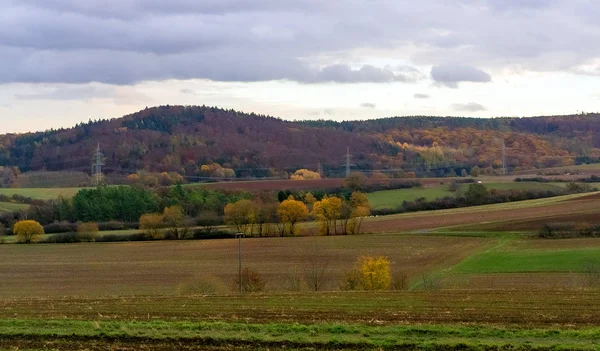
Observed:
{"x":181,"y":138}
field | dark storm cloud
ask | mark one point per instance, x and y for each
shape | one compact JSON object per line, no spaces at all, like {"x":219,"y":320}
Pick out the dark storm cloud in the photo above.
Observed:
{"x":450,"y":75}
{"x":470,"y":107}
{"x":127,"y":41}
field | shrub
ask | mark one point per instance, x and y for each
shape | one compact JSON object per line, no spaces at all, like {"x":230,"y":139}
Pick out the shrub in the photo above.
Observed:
{"x":352,"y":280}
{"x":62,"y":238}
{"x":399,"y":281}
{"x":203,"y":284}
{"x":60,"y":227}
{"x":151,"y":224}
{"x":251,"y":281}
{"x":87,"y":231}
{"x":116,"y":225}
{"x":28,"y":231}
{"x":375,"y":272}
{"x":592,"y":273}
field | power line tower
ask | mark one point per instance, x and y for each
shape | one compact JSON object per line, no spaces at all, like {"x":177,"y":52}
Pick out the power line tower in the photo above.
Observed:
{"x":347,"y":161}
{"x":97,"y":166}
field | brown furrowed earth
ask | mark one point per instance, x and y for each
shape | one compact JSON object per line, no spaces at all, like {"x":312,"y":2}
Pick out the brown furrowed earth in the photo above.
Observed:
{"x":523,"y":307}
{"x":170,"y":267}
{"x":478,"y":218}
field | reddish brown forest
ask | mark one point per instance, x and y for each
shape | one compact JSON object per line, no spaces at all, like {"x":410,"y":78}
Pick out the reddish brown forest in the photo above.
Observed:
{"x":182,"y":138}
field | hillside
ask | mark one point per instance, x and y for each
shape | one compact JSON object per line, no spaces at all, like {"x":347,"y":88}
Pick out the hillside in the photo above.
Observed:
{"x":181,"y":138}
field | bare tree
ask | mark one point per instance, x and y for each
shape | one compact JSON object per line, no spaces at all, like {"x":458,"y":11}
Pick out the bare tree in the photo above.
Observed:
{"x":315,"y":263}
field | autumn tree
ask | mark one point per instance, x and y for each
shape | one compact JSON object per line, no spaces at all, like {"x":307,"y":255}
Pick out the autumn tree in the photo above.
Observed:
{"x":173,"y":217}
{"x":475,"y":171}
{"x":291,"y":212}
{"x":355,"y":181}
{"x":360,"y":209}
{"x":309,"y":200}
{"x":152,"y":224}
{"x":87,"y":231}
{"x":215,"y":170}
{"x":327,"y":212}
{"x":28,"y":231}
{"x":241,"y":214}
{"x":375,"y":272}
{"x":305,"y":174}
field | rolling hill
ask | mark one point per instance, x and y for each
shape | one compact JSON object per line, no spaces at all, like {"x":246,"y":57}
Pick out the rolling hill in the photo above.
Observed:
{"x":181,"y":138}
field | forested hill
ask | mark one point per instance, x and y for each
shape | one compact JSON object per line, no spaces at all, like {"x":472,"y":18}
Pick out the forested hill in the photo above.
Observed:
{"x":182,"y":138}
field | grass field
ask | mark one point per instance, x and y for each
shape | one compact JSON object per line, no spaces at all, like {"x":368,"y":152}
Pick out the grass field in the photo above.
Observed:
{"x":40,"y":193}
{"x":11,"y":206}
{"x":394,"y":198}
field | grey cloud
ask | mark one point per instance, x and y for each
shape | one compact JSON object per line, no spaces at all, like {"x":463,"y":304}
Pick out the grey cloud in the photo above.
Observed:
{"x":450,"y":75}
{"x":82,"y":92}
{"x":470,"y":107}
{"x":340,"y":73}
{"x":421,"y":96}
{"x":127,"y":41}
{"x":329,"y":111}
{"x":368,"y":105}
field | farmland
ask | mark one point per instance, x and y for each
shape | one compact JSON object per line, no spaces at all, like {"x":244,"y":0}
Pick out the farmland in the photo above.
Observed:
{"x":394,"y":198}
{"x":40,"y":193}
{"x":166,"y":267}
{"x":476,"y":279}
{"x":11,"y":206}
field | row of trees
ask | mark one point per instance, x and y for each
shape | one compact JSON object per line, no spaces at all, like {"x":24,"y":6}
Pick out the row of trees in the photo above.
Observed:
{"x":333,"y":214}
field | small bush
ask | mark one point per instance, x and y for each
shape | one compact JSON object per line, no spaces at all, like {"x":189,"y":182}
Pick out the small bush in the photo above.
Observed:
{"x":203,"y":285}
{"x":400,"y":281}
{"x":62,"y":238}
{"x":116,"y":225}
{"x":351,"y":281}
{"x":252,"y":281}
{"x":60,"y":227}
{"x":152,"y":224}
{"x":592,"y":274}
{"x":87,"y":231}
{"x":202,"y":234}
{"x":118,"y":238}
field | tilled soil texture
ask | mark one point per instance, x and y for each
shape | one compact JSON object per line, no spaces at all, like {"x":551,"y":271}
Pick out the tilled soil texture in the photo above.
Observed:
{"x":532,"y":308}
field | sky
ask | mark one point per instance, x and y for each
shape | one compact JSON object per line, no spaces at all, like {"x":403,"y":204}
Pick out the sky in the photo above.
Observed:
{"x":67,"y":61}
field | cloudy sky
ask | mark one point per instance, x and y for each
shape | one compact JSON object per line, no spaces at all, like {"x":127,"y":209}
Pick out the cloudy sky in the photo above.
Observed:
{"x":66,"y":61}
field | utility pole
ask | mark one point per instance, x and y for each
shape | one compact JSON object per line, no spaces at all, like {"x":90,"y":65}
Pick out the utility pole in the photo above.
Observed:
{"x":97,"y":166}
{"x":347,"y":161}
{"x":503,"y":157}
{"x":320,"y":169}
{"x":239,"y":236}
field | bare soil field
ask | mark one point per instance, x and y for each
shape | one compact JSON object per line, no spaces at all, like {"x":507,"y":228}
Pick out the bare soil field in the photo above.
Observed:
{"x":524,"y":307}
{"x":328,"y":183}
{"x":100,"y":269}
{"x":478,"y":218}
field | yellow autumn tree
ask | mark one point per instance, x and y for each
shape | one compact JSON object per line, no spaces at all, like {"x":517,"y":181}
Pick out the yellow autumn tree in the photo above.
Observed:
{"x":360,"y":209}
{"x":241,"y":214}
{"x":28,"y":231}
{"x":151,"y":224}
{"x":327,"y":213}
{"x":173,"y":217}
{"x":375,"y":272}
{"x":87,"y":231}
{"x":290,"y":212}
{"x":305,"y":174}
